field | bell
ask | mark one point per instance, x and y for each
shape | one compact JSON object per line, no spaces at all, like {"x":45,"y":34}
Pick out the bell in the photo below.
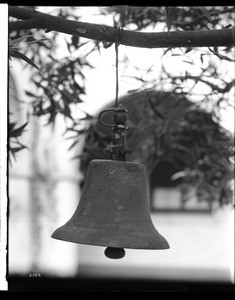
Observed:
{"x":113,"y":210}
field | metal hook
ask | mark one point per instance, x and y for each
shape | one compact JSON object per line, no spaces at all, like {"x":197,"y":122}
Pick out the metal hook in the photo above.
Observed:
{"x":102,"y":122}
{"x":117,"y":35}
{"x":117,"y":149}
{"x":119,"y":109}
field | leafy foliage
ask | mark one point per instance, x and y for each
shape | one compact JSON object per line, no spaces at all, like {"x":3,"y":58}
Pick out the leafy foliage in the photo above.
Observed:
{"x":16,"y":43}
{"x":60,"y":83}
{"x":58,"y":87}
{"x":175,"y":18}
{"x":15,"y":132}
{"x":189,"y":136}
{"x":203,"y":64}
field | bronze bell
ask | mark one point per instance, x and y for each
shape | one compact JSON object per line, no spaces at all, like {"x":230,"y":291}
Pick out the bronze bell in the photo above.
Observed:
{"x":114,"y":209}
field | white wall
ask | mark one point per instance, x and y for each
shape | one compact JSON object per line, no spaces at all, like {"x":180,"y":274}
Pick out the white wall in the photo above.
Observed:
{"x":44,"y":191}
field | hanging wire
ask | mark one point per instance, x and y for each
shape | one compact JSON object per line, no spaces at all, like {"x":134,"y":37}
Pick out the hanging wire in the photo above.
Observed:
{"x":117,"y":31}
{"x":118,"y":35}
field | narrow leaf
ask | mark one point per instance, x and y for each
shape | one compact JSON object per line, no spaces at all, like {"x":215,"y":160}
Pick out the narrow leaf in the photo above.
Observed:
{"x":17,"y":54}
{"x":29,"y":94}
{"x":76,"y":157}
{"x":16,"y":149}
{"x":188,"y":62}
{"x":73,"y":144}
{"x":18,"y":40}
{"x":71,"y":137}
{"x":206,"y":13}
{"x":17,"y":131}
{"x":69,"y":97}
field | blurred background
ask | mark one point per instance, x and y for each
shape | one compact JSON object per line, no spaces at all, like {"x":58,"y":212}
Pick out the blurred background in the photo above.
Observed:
{"x":181,"y":127}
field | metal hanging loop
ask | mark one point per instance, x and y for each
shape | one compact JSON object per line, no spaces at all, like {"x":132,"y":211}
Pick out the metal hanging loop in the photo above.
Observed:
{"x":117,"y":149}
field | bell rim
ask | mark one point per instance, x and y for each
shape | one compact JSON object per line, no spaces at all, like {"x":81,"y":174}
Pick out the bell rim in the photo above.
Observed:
{"x":157,"y":243}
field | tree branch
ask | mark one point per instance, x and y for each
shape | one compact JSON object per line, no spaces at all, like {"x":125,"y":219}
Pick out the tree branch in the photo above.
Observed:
{"x":195,"y":38}
{"x":215,"y":87}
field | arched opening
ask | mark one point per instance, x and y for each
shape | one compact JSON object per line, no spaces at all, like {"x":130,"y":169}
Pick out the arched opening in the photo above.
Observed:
{"x":163,"y":192}
{"x":170,"y":135}
{"x":161,"y":175}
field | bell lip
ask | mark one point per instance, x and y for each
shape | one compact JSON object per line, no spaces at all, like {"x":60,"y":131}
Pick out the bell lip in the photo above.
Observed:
{"x":163,"y":244}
